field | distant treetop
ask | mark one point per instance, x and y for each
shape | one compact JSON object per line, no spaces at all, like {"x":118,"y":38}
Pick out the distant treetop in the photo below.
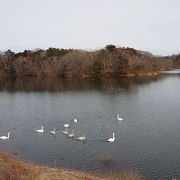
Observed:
{"x":110,"y":47}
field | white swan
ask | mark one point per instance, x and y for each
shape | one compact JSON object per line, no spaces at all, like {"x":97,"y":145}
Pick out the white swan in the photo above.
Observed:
{"x":40,"y":130}
{"x":71,"y":135}
{"x":66,"y":125}
{"x":65,"y":131}
{"x":75,"y":120}
{"x":112,"y":139}
{"x":81,"y":138}
{"x":5,"y":137}
{"x":119,"y":118}
{"x":53,"y":131}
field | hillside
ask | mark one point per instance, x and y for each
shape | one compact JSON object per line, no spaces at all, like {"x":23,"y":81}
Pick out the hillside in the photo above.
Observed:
{"x":109,"y":61}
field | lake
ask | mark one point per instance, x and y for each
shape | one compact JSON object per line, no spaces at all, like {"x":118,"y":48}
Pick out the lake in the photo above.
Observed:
{"x":147,"y":140}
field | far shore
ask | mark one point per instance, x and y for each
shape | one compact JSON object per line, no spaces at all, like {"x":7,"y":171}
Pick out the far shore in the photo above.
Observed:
{"x":83,"y":76}
{"x":110,"y":61}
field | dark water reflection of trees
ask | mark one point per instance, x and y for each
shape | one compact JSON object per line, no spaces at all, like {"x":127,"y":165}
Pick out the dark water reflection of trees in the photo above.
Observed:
{"x":63,"y":85}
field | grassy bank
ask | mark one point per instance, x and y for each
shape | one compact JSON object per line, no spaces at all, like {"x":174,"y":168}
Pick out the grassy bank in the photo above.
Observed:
{"x":14,"y":169}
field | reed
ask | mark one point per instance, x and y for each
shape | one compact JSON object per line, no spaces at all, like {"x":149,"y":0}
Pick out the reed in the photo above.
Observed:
{"x":122,"y":175}
{"x":14,"y":169}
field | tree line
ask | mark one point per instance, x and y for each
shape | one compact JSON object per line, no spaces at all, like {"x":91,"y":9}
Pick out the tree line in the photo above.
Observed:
{"x":109,"y":61}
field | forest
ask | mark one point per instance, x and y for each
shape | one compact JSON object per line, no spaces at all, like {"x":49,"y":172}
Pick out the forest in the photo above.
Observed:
{"x":110,"y":61}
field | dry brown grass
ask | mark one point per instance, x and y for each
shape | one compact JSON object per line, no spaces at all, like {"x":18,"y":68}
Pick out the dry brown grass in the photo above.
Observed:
{"x":123,"y":175}
{"x":13,"y":169}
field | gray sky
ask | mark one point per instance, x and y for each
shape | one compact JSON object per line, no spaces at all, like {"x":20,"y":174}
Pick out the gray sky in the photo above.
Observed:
{"x":152,"y":25}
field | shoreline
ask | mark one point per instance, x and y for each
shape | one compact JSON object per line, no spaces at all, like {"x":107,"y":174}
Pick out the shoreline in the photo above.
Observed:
{"x":127,"y":75}
{"x":15,"y":168}
{"x":110,"y":61}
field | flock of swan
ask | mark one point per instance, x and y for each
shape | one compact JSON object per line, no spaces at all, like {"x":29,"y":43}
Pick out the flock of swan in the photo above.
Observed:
{"x":65,"y":132}
{"x":71,"y":135}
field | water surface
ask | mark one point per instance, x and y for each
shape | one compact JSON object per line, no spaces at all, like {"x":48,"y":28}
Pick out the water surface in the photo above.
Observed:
{"x":147,"y":140}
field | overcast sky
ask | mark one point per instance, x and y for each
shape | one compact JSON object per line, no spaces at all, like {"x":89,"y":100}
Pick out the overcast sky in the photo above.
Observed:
{"x":152,"y":25}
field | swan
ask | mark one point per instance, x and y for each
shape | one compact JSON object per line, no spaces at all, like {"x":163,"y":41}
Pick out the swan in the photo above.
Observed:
{"x":112,"y":139}
{"x":65,"y":131}
{"x":53,"y":131}
{"x":40,"y":130}
{"x":119,"y":118}
{"x":66,"y":125}
{"x":71,"y":135}
{"x":5,"y":137}
{"x":75,"y":120}
{"x":81,"y":138}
